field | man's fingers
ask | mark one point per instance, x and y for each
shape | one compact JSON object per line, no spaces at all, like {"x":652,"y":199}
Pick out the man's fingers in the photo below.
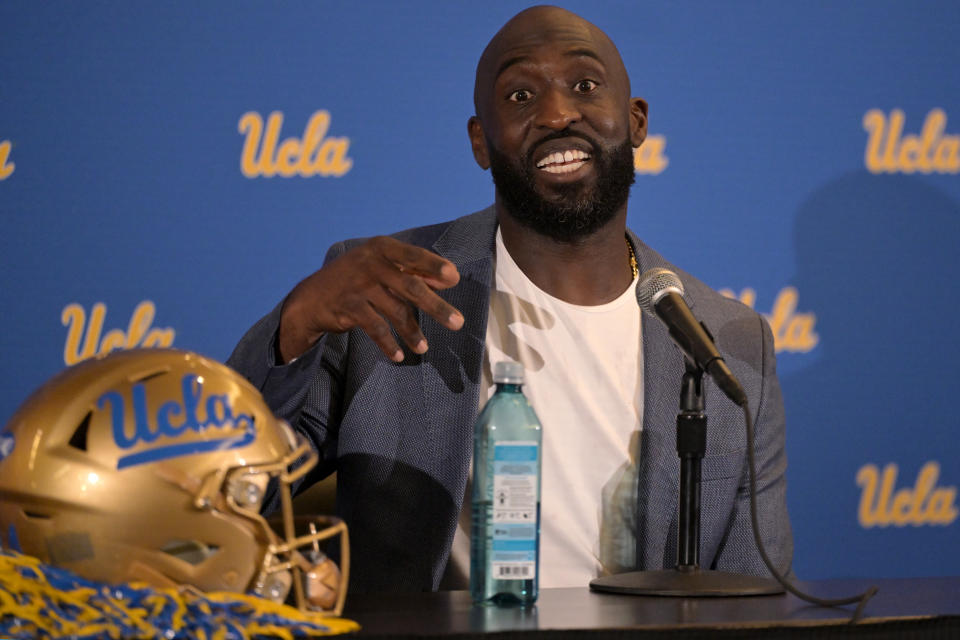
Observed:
{"x":373,"y":324}
{"x":414,"y":290}
{"x":373,"y":287}
{"x":399,"y":314}
{"x":439,"y":272}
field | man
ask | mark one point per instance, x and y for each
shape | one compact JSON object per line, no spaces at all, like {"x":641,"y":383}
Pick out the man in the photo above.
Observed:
{"x":545,"y":277}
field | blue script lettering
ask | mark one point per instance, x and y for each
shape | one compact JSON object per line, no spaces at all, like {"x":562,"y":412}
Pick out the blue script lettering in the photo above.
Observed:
{"x":218,"y":411}
{"x":192,"y":389}
{"x":164,"y":425}
{"x":174,"y":420}
{"x":116,"y":411}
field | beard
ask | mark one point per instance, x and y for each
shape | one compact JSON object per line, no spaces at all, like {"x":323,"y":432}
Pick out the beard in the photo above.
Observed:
{"x":576,"y":211}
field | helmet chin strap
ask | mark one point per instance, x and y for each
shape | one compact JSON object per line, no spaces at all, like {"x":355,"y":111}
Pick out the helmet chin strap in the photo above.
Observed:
{"x":322,"y":583}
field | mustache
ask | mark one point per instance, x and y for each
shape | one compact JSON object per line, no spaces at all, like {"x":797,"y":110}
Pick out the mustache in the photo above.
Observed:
{"x":558,"y":135}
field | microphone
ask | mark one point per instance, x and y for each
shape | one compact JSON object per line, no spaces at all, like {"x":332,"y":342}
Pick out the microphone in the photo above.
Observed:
{"x":660,"y":294}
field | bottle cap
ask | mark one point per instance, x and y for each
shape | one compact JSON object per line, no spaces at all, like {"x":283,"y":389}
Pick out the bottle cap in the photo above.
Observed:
{"x":507,"y":372}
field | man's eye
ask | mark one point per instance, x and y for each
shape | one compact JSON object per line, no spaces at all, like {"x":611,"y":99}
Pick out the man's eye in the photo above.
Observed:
{"x":520,"y":95}
{"x":586,"y":86}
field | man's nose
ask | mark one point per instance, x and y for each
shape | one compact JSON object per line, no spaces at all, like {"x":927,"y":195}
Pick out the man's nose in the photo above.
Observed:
{"x":557,"y":110}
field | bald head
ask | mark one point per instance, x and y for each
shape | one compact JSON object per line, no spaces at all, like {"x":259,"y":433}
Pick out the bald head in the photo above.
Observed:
{"x":535,"y":27}
{"x":556,"y":125}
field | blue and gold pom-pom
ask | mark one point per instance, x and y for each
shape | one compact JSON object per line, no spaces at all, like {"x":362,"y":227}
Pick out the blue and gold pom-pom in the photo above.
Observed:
{"x":42,"y":601}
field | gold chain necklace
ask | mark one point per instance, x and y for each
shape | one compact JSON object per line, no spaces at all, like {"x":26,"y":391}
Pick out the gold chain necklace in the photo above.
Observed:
{"x":633,"y":259}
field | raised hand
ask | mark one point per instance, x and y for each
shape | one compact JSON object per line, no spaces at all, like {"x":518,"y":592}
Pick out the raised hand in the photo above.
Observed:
{"x":372,"y":287}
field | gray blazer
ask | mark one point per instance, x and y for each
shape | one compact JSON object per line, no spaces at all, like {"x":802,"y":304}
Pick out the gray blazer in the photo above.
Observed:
{"x":399,"y":436}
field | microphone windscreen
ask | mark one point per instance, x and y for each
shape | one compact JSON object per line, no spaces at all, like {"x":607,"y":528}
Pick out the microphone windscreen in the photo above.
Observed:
{"x":653,"y":285}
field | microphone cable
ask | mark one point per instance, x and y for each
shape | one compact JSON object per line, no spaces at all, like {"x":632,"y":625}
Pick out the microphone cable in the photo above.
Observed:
{"x":862,"y":598}
{"x":653,"y":285}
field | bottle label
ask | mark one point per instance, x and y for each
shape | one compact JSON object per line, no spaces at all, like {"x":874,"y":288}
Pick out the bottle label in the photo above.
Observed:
{"x":515,"y":524}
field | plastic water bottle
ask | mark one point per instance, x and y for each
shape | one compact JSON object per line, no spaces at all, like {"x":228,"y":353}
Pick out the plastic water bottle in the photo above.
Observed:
{"x":505,"y":532}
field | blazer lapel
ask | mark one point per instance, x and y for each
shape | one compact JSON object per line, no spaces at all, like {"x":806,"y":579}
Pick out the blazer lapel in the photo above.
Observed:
{"x":452,"y":364}
{"x":659,"y":466}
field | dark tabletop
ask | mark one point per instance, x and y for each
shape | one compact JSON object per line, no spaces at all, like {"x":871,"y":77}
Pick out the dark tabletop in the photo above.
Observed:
{"x":451,"y":613}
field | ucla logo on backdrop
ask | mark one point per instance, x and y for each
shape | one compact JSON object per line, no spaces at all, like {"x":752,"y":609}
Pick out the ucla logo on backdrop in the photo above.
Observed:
{"x":793,"y":331}
{"x":314,"y":154}
{"x":649,"y":157}
{"x":6,"y":167}
{"x":924,"y":503}
{"x":193,"y":423}
{"x":889,"y":150}
{"x":139,"y":333}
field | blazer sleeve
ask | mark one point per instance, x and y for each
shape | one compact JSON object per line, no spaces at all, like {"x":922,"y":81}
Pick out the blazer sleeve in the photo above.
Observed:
{"x":739,"y":551}
{"x":304,"y":392}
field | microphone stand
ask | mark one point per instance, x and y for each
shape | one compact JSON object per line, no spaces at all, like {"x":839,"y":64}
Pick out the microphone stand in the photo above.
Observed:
{"x":687,"y":578}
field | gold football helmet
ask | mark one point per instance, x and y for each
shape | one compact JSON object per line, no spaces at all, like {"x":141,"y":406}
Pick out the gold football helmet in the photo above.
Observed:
{"x":152,"y":465}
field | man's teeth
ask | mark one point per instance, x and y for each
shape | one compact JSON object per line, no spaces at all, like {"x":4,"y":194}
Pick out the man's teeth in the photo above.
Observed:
{"x":563,"y":162}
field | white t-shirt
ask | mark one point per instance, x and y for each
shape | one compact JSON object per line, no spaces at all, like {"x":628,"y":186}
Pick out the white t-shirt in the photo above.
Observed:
{"x":584,"y":377}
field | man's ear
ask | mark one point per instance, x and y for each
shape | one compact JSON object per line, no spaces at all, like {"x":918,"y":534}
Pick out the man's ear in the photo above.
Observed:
{"x":638,"y":121}
{"x":478,"y":142}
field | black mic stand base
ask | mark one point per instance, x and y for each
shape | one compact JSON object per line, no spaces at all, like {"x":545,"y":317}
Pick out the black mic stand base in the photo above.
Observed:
{"x":687,"y":579}
{"x":691,"y":582}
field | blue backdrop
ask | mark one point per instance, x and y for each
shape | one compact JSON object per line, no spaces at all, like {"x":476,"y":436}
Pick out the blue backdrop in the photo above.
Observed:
{"x":169,"y":170}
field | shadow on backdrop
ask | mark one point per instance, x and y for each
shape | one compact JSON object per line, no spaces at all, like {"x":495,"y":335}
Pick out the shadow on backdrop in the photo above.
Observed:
{"x":878,"y":263}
